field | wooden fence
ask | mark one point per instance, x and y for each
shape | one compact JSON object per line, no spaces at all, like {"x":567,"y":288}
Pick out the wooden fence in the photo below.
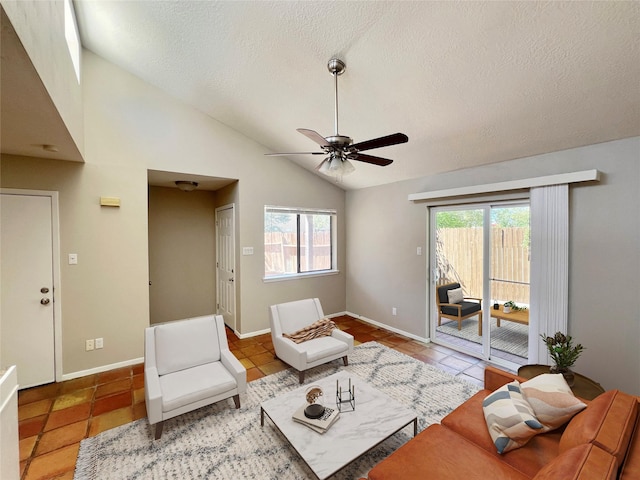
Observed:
{"x":281,"y":256}
{"x":459,"y":258}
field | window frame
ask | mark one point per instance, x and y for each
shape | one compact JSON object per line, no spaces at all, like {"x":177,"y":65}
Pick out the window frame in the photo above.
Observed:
{"x":298,"y":212}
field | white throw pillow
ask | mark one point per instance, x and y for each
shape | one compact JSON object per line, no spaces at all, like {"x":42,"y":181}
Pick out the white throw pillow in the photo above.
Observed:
{"x":455,"y":295}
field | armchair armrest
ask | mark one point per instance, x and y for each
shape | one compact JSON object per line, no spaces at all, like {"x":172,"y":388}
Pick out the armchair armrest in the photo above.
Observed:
{"x":343,"y":337}
{"x":454,"y":305}
{"x":288,"y":352}
{"x":474,"y":298}
{"x":236,"y":369}
{"x":153,"y":395}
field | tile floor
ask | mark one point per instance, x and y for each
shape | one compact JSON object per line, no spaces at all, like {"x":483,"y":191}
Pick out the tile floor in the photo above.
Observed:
{"x":54,"y":418}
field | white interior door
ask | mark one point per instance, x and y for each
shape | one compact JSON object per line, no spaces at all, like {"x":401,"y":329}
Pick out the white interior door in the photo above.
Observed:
{"x":226,"y":264}
{"x":26,"y":308}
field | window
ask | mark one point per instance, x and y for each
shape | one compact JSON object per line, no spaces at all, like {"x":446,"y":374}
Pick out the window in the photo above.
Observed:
{"x":298,"y":241}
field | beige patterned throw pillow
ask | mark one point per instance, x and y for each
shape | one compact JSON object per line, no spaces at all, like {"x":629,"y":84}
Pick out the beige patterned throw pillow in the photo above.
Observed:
{"x":551,"y":399}
{"x":510,"y":419}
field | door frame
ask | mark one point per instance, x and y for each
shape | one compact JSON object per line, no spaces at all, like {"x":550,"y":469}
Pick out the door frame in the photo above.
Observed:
{"x":486,"y":205}
{"x":232,"y":207}
{"x":57,"y":289}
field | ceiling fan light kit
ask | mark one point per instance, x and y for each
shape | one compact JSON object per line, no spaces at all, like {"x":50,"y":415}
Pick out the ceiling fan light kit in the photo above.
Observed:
{"x":340,"y":148}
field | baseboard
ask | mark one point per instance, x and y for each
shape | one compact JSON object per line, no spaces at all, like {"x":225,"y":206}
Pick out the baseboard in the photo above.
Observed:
{"x":252,"y":334}
{"x":386,"y":327}
{"x":355,"y":315}
{"x":103,"y":368}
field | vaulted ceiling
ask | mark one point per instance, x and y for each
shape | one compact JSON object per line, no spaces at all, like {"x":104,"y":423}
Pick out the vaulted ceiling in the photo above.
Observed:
{"x":470,"y":83}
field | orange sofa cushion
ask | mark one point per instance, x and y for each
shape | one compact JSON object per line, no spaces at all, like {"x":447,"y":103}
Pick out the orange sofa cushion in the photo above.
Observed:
{"x":607,"y":422}
{"x":438,"y":453}
{"x":468,"y":421}
{"x":631,"y":467}
{"x":584,"y":462}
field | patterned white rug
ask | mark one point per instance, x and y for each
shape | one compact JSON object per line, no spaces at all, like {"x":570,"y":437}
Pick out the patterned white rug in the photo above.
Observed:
{"x":220,"y":442}
{"x":510,"y":337}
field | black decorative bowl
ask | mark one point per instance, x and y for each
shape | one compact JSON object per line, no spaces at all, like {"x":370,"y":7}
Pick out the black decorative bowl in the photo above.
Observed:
{"x":314,"y":411}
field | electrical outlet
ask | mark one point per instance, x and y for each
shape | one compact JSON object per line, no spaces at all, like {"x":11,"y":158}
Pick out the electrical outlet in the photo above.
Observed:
{"x":99,"y":343}
{"x":394,"y":311}
{"x":89,"y":345}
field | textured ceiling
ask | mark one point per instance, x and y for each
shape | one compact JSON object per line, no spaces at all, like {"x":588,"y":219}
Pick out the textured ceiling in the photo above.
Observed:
{"x":470,"y":83}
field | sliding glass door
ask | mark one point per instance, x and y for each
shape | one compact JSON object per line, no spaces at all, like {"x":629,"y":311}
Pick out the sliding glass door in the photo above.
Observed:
{"x":485,"y":249}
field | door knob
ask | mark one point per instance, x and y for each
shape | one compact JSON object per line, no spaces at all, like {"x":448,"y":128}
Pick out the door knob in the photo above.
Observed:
{"x":45,"y":301}
{"x":231,"y":279}
{"x":44,"y":290}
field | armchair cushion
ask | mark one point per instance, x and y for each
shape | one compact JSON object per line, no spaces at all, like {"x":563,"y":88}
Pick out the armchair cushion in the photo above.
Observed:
{"x":455,"y":295}
{"x":323,"y":347}
{"x":182,"y":345}
{"x":194,"y":384}
{"x":467,"y":308}
{"x":443,"y":290}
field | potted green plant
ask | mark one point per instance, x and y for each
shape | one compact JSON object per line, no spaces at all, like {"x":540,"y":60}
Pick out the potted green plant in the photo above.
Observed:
{"x":511,"y":305}
{"x":563,"y":353}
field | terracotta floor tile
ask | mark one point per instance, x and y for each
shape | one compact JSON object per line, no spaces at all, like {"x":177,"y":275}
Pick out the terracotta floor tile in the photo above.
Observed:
{"x":245,"y":342}
{"x":238,"y":354}
{"x":31,"y":426}
{"x":65,"y":476}
{"x":73,"y":398}
{"x":261,"y":359}
{"x":253,"y":350}
{"x":456,"y":363}
{"x":78,"y":383}
{"x":137,"y":369}
{"x":118,"y":386}
{"x":110,"y":420}
{"x":34,"y":409}
{"x":53,"y":464}
{"x":113,"y":375}
{"x":60,"y":418}
{"x":273,"y":367}
{"x":365,"y":337}
{"x":137,"y":382}
{"x":396,"y":339}
{"x":254,"y":374}
{"x":139,"y":411}
{"x":61,"y":437}
{"x":138,"y":395}
{"x":26,"y":447}
{"x":246,"y":363}
{"x":113,"y":402}
{"x":35,"y":394}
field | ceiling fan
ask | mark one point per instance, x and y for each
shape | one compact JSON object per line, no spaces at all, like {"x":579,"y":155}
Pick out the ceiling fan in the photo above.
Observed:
{"x":339,"y":148}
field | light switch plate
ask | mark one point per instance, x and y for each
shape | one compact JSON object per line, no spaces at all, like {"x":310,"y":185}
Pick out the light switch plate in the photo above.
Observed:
{"x":73,"y":259}
{"x":247,"y":250}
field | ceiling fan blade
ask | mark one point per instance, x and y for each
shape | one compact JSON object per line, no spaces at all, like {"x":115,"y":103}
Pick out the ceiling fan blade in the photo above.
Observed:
{"x":315,"y":136}
{"x":393,"y":139}
{"x":361,"y":157}
{"x":293,"y":153}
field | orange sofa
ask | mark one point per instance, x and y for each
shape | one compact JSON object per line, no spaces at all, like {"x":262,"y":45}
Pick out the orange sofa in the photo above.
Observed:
{"x":600,"y":442}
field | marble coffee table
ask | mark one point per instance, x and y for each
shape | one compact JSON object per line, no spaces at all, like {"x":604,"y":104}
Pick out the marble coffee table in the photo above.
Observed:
{"x":375,"y":418}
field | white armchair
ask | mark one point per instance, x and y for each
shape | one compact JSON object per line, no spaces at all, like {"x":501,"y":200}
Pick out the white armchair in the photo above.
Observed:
{"x":293,"y":316}
{"x":187,"y":365}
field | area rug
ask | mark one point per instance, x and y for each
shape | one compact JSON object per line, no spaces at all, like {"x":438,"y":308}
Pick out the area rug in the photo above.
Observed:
{"x":220,"y":442}
{"x":509,"y":337}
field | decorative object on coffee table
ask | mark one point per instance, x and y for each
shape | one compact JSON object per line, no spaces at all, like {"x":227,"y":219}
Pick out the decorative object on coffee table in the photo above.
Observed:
{"x":314,"y":409}
{"x":346,"y":398}
{"x":563,"y":353}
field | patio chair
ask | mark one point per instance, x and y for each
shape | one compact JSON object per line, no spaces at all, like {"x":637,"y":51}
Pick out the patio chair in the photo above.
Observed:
{"x":187,"y":365}
{"x":293,"y":316}
{"x":467,"y":307}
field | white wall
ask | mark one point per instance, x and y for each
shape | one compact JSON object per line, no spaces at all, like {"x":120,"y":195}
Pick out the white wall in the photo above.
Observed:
{"x":131,"y":127}
{"x":384,"y":229}
{"x":41,"y":28}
